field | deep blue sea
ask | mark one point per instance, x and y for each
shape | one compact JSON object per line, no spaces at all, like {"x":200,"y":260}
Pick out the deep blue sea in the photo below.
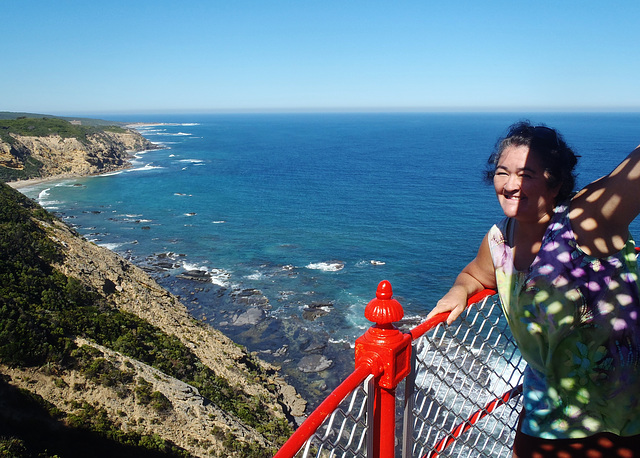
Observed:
{"x":289,"y":213}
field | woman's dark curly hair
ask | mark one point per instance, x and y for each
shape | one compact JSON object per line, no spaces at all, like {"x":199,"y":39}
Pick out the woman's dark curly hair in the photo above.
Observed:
{"x":558,"y":159}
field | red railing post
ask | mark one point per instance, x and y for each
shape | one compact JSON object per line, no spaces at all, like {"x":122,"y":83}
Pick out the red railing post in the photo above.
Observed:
{"x":385,"y":348}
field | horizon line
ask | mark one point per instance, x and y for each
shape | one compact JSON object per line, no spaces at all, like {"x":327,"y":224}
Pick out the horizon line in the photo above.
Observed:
{"x":329,"y":110}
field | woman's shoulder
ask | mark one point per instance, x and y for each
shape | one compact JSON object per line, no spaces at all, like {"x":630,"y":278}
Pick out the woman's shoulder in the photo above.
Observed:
{"x":501,"y":231}
{"x":499,"y":236}
{"x":501,"y":226}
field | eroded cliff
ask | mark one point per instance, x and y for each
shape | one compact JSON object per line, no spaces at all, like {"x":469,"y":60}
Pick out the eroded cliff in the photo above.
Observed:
{"x":27,"y":150}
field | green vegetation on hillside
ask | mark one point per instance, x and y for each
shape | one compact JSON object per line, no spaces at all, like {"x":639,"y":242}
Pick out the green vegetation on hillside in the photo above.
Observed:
{"x":84,"y":121}
{"x":42,"y":310}
{"x":43,"y":127}
{"x":39,"y":432}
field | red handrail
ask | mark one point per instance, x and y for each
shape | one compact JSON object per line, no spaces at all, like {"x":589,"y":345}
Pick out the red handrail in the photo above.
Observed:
{"x":383,"y":351}
{"x":326,"y":408}
{"x":472,"y":420}
{"x":431,"y":323}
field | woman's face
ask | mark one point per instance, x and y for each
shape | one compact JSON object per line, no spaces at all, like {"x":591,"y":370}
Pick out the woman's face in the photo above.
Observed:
{"x":521,"y":186}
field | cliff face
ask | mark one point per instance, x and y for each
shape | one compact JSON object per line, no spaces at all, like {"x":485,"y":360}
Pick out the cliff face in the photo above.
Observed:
{"x":192,"y":422}
{"x":131,"y":289}
{"x":102,"y":152}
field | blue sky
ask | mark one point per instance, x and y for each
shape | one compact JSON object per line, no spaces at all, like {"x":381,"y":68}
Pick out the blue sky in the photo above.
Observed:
{"x":143,"y":56}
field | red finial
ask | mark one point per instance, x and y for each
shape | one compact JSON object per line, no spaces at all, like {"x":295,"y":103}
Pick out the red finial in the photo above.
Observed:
{"x":383,"y":309}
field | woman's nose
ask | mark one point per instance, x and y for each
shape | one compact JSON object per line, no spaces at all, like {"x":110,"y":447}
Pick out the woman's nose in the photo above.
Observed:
{"x":512,"y":183}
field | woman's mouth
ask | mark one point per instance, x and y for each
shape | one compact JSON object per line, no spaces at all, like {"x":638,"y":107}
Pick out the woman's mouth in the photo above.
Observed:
{"x":513,"y":196}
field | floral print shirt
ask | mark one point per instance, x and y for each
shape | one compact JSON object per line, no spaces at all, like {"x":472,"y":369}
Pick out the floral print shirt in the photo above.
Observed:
{"x":576,"y":321}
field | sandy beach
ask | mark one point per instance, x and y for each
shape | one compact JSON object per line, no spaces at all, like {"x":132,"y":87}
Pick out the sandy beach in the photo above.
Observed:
{"x":20,"y":184}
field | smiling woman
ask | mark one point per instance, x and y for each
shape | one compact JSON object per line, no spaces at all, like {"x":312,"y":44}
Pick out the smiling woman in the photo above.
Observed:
{"x":566,"y":272}
{"x":521,"y":185}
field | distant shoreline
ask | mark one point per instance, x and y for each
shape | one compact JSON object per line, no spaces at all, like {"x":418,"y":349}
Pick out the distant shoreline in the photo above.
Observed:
{"x":21,"y":184}
{"x":135,"y":125}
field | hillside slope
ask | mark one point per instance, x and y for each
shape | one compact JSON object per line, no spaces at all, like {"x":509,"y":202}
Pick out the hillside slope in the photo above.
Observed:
{"x":105,"y":349}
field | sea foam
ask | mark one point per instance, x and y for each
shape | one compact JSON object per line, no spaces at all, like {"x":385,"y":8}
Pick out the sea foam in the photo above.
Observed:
{"x":331,"y":266}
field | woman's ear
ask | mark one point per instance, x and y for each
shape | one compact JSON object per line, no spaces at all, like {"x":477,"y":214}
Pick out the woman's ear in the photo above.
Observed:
{"x":554,"y":188}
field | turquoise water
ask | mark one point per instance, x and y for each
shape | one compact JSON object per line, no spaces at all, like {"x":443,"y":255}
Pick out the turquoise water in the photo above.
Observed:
{"x":312,"y":210}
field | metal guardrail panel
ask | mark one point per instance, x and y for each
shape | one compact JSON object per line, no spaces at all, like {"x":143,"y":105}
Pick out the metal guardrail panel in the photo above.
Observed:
{"x":460,"y":369}
{"x":345,"y":433}
{"x":460,"y":374}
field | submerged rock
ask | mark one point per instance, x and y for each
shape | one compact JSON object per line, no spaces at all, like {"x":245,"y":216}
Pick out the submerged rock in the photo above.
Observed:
{"x":250,"y":296}
{"x":316,"y":310}
{"x":314,"y":363}
{"x":251,"y":317}
{"x":195,"y":275}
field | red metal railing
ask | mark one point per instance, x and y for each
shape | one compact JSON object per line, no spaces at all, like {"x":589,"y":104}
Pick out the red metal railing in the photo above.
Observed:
{"x":320,"y":414}
{"x":473,"y":419}
{"x":386,"y":353}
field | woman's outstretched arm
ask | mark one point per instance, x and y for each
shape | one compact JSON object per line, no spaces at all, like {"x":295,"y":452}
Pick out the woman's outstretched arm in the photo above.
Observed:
{"x":602,"y":211}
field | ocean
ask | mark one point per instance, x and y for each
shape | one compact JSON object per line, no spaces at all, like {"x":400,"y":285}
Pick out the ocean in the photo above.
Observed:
{"x":277,"y":228}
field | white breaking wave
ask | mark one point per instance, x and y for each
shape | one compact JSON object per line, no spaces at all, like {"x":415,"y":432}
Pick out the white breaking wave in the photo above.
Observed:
{"x":47,"y":204}
{"x":331,"y":266}
{"x":192,"y":161}
{"x":138,"y":220}
{"x":178,"y":134}
{"x":110,"y":246}
{"x":255,"y":276}
{"x":44,"y":194}
{"x":342,"y":342}
{"x":145,"y":168}
{"x":144,"y":151}
{"x":189,"y":266}
{"x":370,"y":262}
{"x":218,"y":277}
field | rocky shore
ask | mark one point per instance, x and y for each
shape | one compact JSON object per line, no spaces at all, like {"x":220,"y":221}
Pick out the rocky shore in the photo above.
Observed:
{"x":193,"y":423}
{"x":311,"y":361}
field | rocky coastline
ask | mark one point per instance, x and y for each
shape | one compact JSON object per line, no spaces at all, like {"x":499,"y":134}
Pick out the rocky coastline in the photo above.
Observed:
{"x":311,"y":361}
{"x":25,"y":158}
{"x":194,"y":424}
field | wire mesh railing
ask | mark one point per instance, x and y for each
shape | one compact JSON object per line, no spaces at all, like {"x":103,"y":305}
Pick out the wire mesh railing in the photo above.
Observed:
{"x":459,"y":396}
{"x":460,"y":374}
{"x":344,"y":432}
{"x":338,"y":426}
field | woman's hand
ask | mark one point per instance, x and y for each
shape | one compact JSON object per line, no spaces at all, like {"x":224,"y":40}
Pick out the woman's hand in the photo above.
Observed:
{"x":455,"y":301}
